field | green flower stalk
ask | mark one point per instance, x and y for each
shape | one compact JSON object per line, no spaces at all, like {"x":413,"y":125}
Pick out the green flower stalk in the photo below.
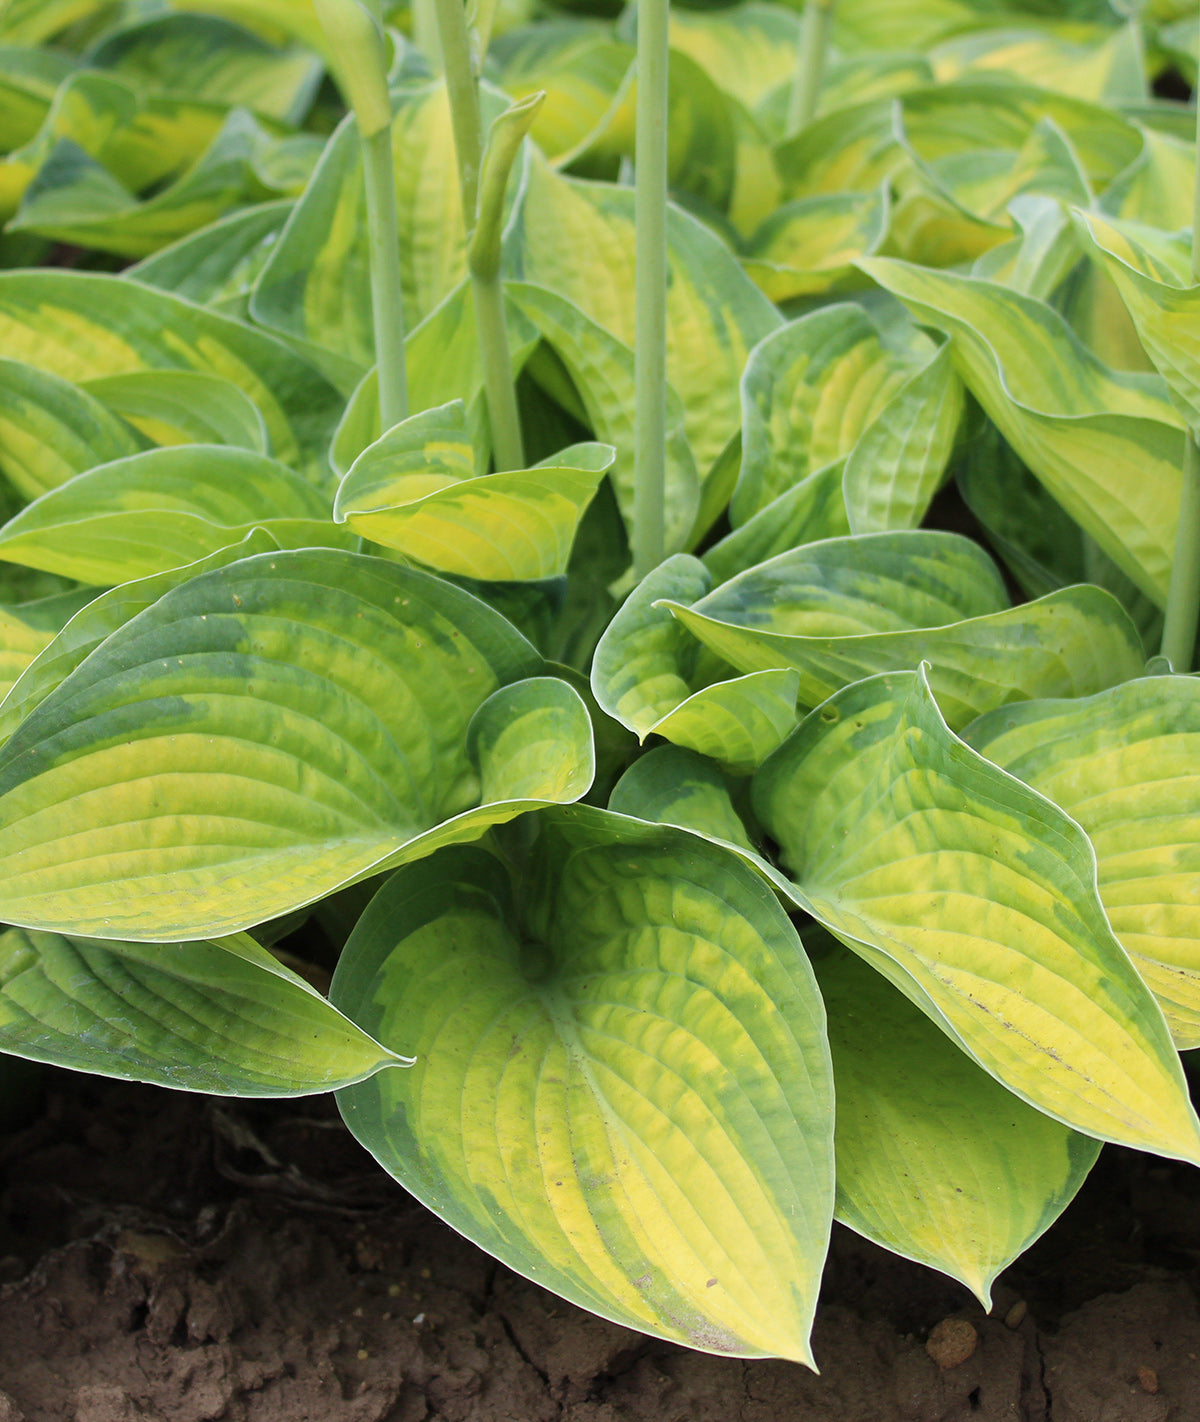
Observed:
{"x":484,"y":181}
{"x":810,"y":64}
{"x":650,"y":288}
{"x":1183,"y":594}
{"x":354,"y":30}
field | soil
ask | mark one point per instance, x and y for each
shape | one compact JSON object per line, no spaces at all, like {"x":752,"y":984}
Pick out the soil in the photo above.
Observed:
{"x":176,"y":1259}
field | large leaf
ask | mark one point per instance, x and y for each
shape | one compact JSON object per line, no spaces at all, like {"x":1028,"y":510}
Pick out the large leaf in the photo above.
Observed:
{"x":1107,"y":444}
{"x":28,"y":628}
{"x":221,"y":1016}
{"x":267,"y":732}
{"x":622,"y":1088}
{"x":1124,"y":765}
{"x":162,"y":509}
{"x":79,"y":326}
{"x":977,"y":898}
{"x":935,"y":1159}
{"x":809,"y":246}
{"x":183,"y":407}
{"x":673,"y":786}
{"x":715,"y":315}
{"x":849,"y":607}
{"x":415,"y":490}
{"x":51,"y":430}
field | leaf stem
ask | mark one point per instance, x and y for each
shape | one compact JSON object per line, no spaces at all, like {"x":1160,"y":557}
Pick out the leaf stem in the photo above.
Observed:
{"x":810,"y":64}
{"x":354,"y":30}
{"x":650,"y":323}
{"x":1183,"y":593}
{"x":465,"y":116}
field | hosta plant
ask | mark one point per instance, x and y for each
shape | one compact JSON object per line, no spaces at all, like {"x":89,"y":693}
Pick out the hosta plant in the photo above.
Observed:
{"x":710,"y":680}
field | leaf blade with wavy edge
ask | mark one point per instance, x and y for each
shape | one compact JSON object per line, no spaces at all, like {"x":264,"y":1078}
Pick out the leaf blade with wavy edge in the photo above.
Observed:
{"x":183,"y":407}
{"x":81,"y":326}
{"x":259,"y":736}
{"x":809,"y":246}
{"x":936,"y":1161}
{"x":221,"y":1016}
{"x":415,"y":490}
{"x":850,"y":607}
{"x":1107,"y":444}
{"x":644,"y":675}
{"x":1122,"y":764}
{"x":686,"y":1201}
{"x":51,"y":430}
{"x":673,"y":786}
{"x":1163,"y":302}
{"x":977,"y":898}
{"x":601,"y":367}
{"x":162,"y":509}
{"x":103,"y":614}
{"x":715,"y":315}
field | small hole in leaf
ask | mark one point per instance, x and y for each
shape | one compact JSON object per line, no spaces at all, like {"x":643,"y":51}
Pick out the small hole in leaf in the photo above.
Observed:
{"x":830,"y":714}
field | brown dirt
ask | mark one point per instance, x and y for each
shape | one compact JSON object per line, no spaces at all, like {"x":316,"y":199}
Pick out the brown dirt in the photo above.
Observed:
{"x":171,"y":1259}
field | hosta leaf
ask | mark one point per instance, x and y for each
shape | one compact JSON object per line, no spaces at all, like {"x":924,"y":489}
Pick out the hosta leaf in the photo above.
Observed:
{"x":574,"y":1108}
{"x":1101,"y":64}
{"x":104,"y":614}
{"x":849,"y":607}
{"x":748,"y":50}
{"x":81,"y":326}
{"x":1107,"y":444}
{"x":218,"y":265}
{"x":275,"y":20}
{"x":1124,"y":765}
{"x":977,"y":897}
{"x":207,"y":57}
{"x":1164,"y":304}
{"x":810,"y":246}
{"x":715,"y":315}
{"x":51,"y":430}
{"x":415,"y":490}
{"x":162,"y":509}
{"x":936,"y":1161}
{"x":601,"y":368}
{"x":183,"y":407}
{"x":216,"y":1015}
{"x":28,"y":628}
{"x":644,"y":675}
{"x":814,"y":388}
{"x":813,"y":509}
{"x":32,"y":21}
{"x":1158,"y":186}
{"x":672,"y":786}
{"x":261,"y":735}
{"x":444,"y":364}
{"x":75,"y":199}
{"x":29,"y":78}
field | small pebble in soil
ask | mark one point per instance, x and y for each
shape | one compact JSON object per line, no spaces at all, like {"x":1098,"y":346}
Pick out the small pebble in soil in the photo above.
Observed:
{"x":1015,"y":1317}
{"x":1148,"y":1379}
{"x":952,"y":1342}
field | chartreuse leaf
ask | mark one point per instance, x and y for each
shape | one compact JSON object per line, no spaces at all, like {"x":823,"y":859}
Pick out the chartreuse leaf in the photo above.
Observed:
{"x":1156,"y":286}
{"x":810,"y":246}
{"x":672,"y":786}
{"x":217,"y":1015}
{"x":976,"y":896}
{"x":575,"y":1107}
{"x":602,"y":370}
{"x":183,"y":407}
{"x":811,"y":510}
{"x":1095,"y":64}
{"x":815,"y":389}
{"x":715,"y":314}
{"x":263,"y":734}
{"x":415,"y":490}
{"x":1107,"y":444}
{"x":32,"y":21}
{"x":1124,"y":765}
{"x":81,"y":326}
{"x":748,"y":50}
{"x":218,"y":265}
{"x":936,"y":1161}
{"x":211,"y":58}
{"x":28,"y":628}
{"x":849,"y":607}
{"x":103,"y":614}
{"x":644,"y":674}
{"x":51,"y":430}
{"x":162,"y":509}
{"x":29,"y":78}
